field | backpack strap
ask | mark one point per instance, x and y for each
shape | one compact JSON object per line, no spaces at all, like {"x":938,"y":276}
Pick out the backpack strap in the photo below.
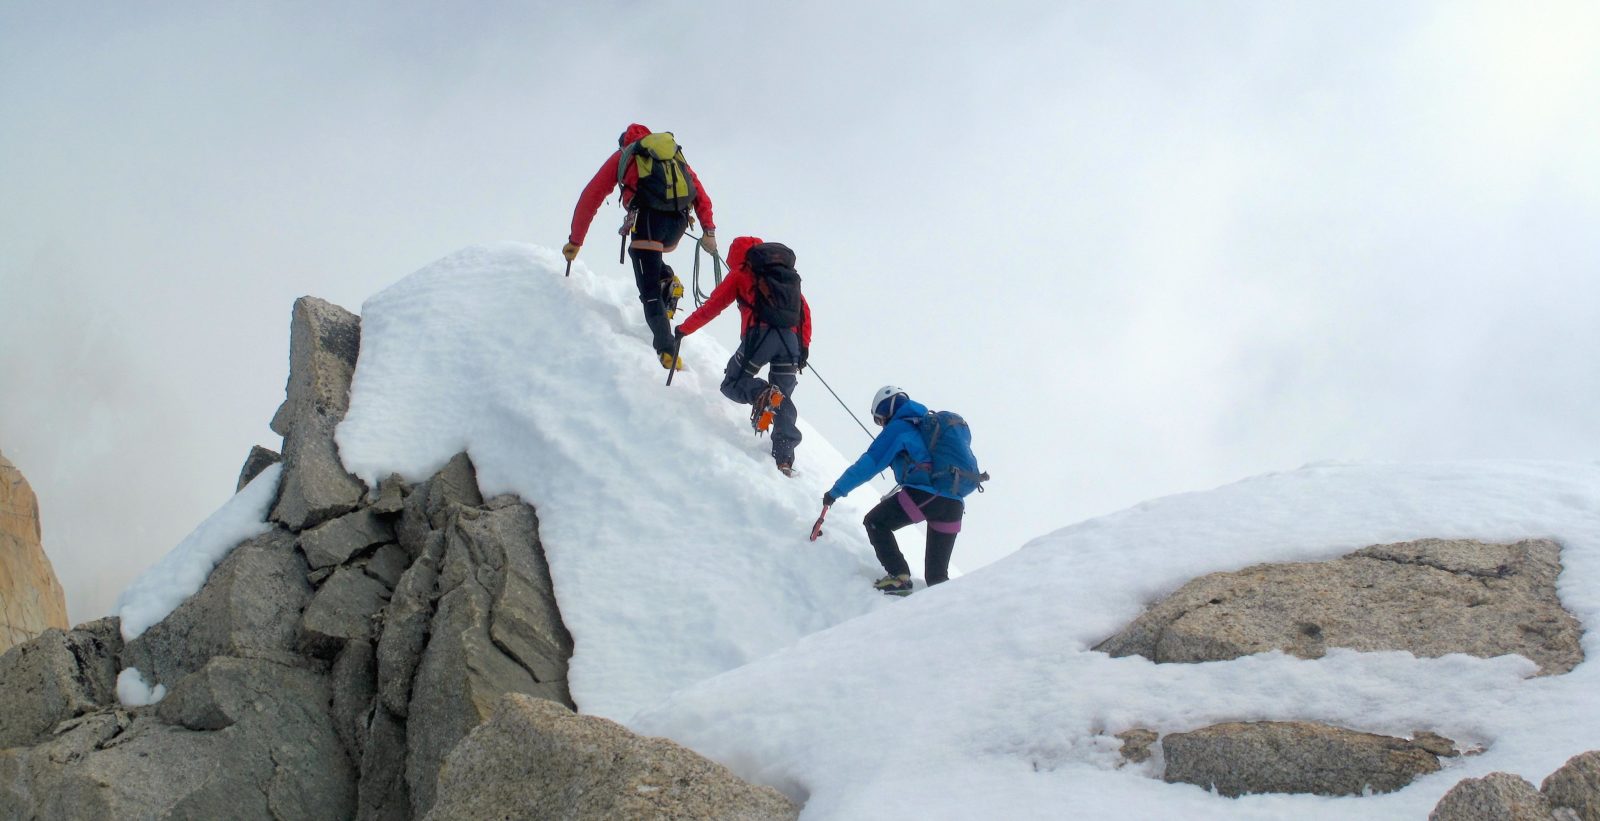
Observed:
{"x":623,"y":157}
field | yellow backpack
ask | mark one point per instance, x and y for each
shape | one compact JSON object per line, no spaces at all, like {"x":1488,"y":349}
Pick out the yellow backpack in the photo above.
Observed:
{"x":664,"y":181}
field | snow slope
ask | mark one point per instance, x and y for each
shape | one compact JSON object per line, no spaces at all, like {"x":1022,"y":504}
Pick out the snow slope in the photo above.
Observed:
{"x":981,"y":699}
{"x":700,"y":612}
{"x":676,"y":548}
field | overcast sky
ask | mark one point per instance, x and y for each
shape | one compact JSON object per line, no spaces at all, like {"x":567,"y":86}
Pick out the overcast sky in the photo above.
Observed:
{"x":1143,"y":247}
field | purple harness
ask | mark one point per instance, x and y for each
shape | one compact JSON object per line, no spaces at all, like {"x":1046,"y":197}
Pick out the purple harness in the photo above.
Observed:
{"x":916,"y":514}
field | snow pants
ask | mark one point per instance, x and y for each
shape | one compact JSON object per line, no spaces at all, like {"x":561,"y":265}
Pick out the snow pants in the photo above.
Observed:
{"x":779,"y":348}
{"x":655,"y":233}
{"x":906,"y":506}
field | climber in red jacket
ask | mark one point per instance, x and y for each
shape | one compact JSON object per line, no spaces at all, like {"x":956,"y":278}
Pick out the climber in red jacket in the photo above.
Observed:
{"x":659,"y":190}
{"x":774,"y":327}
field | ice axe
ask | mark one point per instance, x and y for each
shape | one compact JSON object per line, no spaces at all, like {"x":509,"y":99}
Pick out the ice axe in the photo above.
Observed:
{"x":569,"y":267}
{"x":677,"y":344}
{"x":816,"y":529}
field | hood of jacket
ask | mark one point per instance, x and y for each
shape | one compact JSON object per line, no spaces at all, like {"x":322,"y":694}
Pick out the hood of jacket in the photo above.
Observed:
{"x":632,"y":134}
{"x":737,"y":251}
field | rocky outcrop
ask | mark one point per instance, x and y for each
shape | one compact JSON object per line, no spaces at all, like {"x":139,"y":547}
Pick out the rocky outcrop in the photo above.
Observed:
{"x":240,"y":738}
{"x":329,"y":667}
{"x":64,"y":674}
{"x":323,"y":342}
{"x":249,"y":608}
{"x":535,"y":759}
{"x":31,"y":599}
{"x":1500,"y":796}
{"x":1293,"y":757}
{"x":1429,"y":597}
{"x":1571,"y":793}
{"x":1576,"y":786}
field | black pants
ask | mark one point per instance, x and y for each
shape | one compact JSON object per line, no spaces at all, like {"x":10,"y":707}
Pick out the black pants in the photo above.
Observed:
{"x":654,"y":234}
{"x":780,"y":347}
{"x":890,"y":515}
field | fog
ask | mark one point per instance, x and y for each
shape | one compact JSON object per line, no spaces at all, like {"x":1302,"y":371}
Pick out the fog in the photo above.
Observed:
{"x":1144,"y":248}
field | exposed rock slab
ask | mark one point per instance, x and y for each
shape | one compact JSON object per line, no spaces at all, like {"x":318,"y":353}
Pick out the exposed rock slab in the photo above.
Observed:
{"x":1576,"y":786}
{"x":536,"y":759}
{"x":1499,"y":796}
{"x":31,"y":599}
{"x":405,"y":627}
{"x":324,"y":341}
{"x":1430,"y":597}
{"x":1237,"y":758}
{"x":342,"y":610}
{"x":249,"y":607}
{"x":335,"y":541}
{"x":55,"y":677}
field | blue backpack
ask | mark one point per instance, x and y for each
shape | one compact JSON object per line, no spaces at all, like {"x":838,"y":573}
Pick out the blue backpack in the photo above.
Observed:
{"x":949,"y":442}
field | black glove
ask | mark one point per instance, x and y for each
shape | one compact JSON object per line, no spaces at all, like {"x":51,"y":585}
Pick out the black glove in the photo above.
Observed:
{"x":805,"y":354}
{"x":828,"y":499}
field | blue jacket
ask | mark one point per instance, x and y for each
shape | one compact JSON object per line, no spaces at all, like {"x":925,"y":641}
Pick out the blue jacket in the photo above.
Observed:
{"x":899,"y":446}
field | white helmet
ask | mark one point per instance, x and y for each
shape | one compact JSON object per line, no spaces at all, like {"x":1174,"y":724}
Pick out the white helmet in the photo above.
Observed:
{"x":885,"y":402}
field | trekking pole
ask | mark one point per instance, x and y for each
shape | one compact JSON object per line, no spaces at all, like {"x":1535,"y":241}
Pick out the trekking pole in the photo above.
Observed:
{"x":677,"y":343}
{"x":569,"y":267}
{"x":816,"y":529}
{"x":622,"y":249}
{"x":836,"y":398}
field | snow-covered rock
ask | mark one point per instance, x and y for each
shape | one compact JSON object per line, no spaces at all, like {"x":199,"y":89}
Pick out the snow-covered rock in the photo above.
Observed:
{"x":1429,"y":597}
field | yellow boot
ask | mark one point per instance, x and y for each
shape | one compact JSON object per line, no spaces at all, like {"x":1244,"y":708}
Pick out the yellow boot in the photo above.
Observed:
{"x":670,"y":362}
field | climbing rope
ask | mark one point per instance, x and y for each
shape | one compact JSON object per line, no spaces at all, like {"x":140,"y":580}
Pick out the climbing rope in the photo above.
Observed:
{"x":701,"y":297}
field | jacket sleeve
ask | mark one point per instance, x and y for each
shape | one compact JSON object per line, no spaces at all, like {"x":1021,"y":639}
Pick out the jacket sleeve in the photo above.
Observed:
{"x":877,"y":458}
{"x":702,"y":201}
{"x":593,"y":195}
{"x":721,"y":297}
{"x":805,"y":322}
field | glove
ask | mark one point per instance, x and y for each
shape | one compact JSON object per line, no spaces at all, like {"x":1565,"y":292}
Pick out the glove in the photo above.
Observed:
{"x":679,"y":332}
{"x":570,"y":251}
{"x":805,"y":355}
{"x":708,"y":241}
{"x":828,"y":499}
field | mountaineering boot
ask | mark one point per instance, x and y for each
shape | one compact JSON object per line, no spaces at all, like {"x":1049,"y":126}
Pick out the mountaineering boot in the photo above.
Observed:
{"x":783,"y":456}
{"x":894,"y":585}
{"x":761,"y":410}
{"x":669,"y":362}
{"x":671,"y":292}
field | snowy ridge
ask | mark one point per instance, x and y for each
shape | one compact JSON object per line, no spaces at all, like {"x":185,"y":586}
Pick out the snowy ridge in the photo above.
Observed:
{"x":982,"y":699}
{"x":676,"y":549}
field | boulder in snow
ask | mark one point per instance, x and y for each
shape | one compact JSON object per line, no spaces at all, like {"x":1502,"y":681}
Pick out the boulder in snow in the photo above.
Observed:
{"x":1237,"y":758}
{"x":324,"y":340}
{"x":1576,"y":786}
{"x":1430,"y":597}
{"x":536,"y":759}
{"x":1499,"y":796}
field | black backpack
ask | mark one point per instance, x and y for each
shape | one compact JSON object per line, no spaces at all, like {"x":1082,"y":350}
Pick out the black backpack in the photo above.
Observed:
{"x":777,"y":284}
{"x":664,"y":181}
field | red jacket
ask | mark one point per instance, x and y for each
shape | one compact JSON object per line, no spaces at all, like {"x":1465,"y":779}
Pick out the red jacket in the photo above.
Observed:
{"x":595,"y":192}
{"x":740,"y":285}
